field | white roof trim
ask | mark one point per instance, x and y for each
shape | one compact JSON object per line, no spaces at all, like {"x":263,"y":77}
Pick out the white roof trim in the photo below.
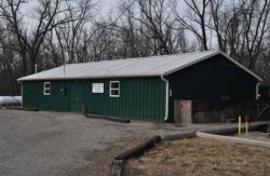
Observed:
{"x":241,"y":66}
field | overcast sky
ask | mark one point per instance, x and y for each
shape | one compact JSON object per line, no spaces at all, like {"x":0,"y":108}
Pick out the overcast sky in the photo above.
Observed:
{"x":105,"y":7}
{"x":108,"y":5}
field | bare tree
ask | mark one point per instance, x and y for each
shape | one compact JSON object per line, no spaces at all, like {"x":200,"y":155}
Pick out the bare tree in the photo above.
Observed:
{"x":216,"y":6}
{"x":9,"y":10}
{"x":8,"y":64}
{"x":255,"y":17}
{"x":195,"y":20}
{"x":29,"y":45}
{"x":154,"y":22}
{"x":71,"y":34}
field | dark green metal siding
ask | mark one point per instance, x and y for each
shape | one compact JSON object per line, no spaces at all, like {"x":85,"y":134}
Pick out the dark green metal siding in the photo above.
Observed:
{"x":264,"y":92}
{"x":211,"y":80}
{"x":33,"y":96}
{"x":140,"y":98}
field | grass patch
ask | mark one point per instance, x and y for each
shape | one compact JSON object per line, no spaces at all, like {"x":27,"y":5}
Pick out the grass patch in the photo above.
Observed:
{"x":194,"y":157}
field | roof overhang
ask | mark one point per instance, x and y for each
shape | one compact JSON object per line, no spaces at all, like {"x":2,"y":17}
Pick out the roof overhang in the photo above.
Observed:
{"x":89,"y":77}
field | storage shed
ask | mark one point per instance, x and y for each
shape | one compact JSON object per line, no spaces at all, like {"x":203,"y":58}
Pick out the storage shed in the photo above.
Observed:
{"x":143,"y":88}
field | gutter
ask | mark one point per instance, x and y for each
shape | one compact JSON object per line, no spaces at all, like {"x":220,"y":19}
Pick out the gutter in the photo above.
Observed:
{"x":166,"y":98}
{"x":257,"y":90}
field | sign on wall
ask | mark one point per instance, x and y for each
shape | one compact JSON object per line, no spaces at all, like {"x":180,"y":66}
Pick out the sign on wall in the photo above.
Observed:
{"x":98,"y":88}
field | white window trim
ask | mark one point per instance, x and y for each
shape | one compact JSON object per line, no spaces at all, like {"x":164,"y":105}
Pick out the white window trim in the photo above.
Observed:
{"x":111,"y":82}
{"x":46,"y":88}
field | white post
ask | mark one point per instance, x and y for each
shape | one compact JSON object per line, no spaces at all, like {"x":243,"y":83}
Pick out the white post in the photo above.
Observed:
{"x":36,"y":68}
{"x":239,"y":125}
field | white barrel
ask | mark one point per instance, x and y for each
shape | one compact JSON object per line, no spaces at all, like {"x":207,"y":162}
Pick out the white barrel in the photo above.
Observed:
{"x":10,"y":100}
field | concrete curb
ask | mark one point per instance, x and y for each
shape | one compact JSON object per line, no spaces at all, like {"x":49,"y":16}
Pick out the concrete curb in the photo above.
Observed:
{"x":234,"y":129}
{"x":237,"y":140}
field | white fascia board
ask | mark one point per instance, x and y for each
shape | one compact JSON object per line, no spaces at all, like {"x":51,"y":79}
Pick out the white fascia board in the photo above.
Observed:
{"x":241,"y":66}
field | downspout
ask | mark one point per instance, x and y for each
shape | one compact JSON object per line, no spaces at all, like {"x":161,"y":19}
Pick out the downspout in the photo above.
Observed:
{"x":257,"y":90}
{"x":166,"y":98}
{"x":22,"y":93}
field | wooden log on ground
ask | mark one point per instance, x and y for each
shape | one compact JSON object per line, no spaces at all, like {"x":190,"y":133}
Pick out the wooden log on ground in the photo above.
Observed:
{"x":140,"y":149}
{"x":107,"y":118}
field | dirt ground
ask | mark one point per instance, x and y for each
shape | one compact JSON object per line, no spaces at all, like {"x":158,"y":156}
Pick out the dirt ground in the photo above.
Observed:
{"x":66,"y":144}
{"x":199,"y":157}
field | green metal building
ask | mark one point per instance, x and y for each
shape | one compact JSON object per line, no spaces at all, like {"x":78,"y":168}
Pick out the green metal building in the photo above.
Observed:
{"x":139,"y":88}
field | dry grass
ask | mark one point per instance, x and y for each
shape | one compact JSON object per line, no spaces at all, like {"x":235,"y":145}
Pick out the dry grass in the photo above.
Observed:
{"x":200,"y":157}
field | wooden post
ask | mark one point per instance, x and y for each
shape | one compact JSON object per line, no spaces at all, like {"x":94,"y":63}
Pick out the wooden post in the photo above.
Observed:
{"x":183,"y":112}
{"x":246,"y":127}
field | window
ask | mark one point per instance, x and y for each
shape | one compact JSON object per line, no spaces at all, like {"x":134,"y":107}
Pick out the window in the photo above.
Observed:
{"x":98,"y":88}
{"x":47,"y":88}
{"x":114,"y":89}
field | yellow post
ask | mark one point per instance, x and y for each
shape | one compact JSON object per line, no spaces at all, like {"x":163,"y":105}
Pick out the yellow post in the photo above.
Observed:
{"x":239,"y":125}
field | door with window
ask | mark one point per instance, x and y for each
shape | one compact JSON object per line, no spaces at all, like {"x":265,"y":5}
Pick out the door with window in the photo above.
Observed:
{"x":76,"y":96}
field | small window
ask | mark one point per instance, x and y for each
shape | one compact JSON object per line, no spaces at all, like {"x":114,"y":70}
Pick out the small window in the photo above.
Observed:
{"x":47,"y":88}
{"x":114,"y":89}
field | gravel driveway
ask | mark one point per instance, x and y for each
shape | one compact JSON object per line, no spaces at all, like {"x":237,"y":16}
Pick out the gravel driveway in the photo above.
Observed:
{"x":61,"y":144}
